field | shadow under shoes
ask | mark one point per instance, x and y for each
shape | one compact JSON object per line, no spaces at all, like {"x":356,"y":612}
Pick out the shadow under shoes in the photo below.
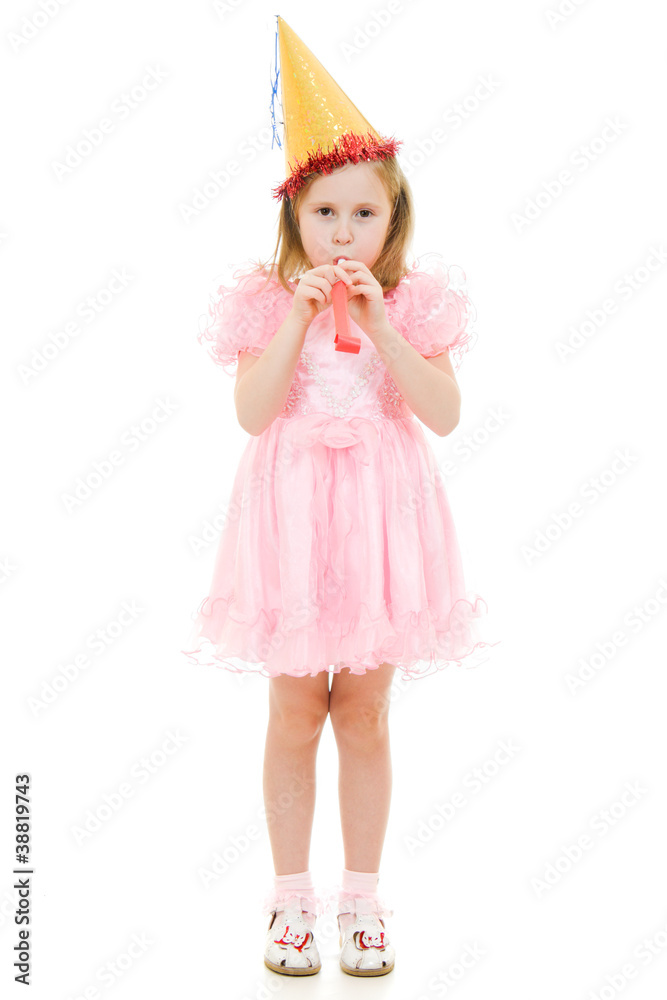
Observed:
{"x":290,"y":941}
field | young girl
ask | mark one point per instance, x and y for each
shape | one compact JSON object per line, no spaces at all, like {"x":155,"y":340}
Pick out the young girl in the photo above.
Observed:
{"x":340,"y":553}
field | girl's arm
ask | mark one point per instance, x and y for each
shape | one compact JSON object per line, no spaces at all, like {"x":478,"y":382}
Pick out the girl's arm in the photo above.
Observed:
{"x":427,"y":385}
{"x":263,"y":383}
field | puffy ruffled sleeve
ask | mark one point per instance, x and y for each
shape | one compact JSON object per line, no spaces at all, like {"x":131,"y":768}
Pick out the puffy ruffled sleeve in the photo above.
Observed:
{"x":244,"y":317}
{"x":431,"y":308}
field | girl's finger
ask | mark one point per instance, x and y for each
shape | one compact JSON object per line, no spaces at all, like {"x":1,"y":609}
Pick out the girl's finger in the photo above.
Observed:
{"x":319,"y":280}
{"x":342,"y":273}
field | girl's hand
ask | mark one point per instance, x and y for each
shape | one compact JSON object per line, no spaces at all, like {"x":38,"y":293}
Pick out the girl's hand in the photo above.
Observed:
{"x":365,"y":298}
{"x":313,"y":292}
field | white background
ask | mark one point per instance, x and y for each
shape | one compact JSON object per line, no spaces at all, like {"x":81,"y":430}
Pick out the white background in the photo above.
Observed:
{"x":69,"y":572}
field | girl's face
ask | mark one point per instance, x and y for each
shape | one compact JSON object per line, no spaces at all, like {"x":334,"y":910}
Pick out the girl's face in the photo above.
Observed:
{"x":345,"y":214}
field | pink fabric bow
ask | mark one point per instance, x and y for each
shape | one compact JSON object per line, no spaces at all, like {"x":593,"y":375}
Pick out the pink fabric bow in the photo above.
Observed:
{"x":358,"y":434}
{"x":361,"y":437}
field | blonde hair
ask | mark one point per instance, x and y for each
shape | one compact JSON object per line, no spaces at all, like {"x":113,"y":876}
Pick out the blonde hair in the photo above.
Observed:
{"x":289,"y":260}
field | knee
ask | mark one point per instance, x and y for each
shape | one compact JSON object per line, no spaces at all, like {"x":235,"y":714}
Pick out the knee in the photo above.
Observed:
{"x":300,"y":724}
{"x":355,"y":721}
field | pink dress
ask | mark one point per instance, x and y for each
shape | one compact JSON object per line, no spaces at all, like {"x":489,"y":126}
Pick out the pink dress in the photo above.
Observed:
{"x":341,"y":549}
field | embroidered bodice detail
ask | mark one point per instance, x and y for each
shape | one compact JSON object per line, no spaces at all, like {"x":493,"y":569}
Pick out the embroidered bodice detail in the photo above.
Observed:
{"x":389,"y":402}
{"x":339,"y":407}
{"x":342,"y":384}
{"x":297,"y":399}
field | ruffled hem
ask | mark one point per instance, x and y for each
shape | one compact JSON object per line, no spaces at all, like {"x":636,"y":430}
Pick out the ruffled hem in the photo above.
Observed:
{"x":418,"y":643}
{"x":327,"y":901}
{"x":339,"y":900}
{"x":315,"y":901}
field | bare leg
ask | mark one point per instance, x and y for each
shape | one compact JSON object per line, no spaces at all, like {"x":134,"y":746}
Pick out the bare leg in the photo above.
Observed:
{"x":359,"y":708}
{"x":298,"y":708}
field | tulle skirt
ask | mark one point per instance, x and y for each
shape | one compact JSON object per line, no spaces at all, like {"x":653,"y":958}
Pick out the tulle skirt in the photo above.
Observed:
{"x":338,"y":551}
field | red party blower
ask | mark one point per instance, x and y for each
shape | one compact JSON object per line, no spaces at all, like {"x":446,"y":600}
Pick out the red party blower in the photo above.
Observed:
{"x":344,"y":339}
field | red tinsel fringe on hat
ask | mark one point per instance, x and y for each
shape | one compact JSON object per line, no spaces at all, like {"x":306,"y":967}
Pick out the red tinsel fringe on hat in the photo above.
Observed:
{"x":349,"y":147}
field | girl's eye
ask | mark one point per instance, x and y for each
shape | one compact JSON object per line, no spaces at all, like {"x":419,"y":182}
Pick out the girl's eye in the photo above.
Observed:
{"x":361,"y":210}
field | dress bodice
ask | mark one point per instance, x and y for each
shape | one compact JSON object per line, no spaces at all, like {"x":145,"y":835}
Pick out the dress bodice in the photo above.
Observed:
{"x":339,"y":383}
{"x":430,"y":308}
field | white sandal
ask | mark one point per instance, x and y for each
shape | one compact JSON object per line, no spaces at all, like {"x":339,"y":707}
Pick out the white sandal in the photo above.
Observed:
{"x":290,"y":941}
{"x":365,"y":946}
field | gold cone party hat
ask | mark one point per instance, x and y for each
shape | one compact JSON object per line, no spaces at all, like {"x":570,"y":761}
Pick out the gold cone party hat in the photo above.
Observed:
{"x":323,"y":128}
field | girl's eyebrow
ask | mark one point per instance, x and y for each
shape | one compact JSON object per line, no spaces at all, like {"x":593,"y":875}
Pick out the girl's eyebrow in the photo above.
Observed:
{"x":330,"y":204}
